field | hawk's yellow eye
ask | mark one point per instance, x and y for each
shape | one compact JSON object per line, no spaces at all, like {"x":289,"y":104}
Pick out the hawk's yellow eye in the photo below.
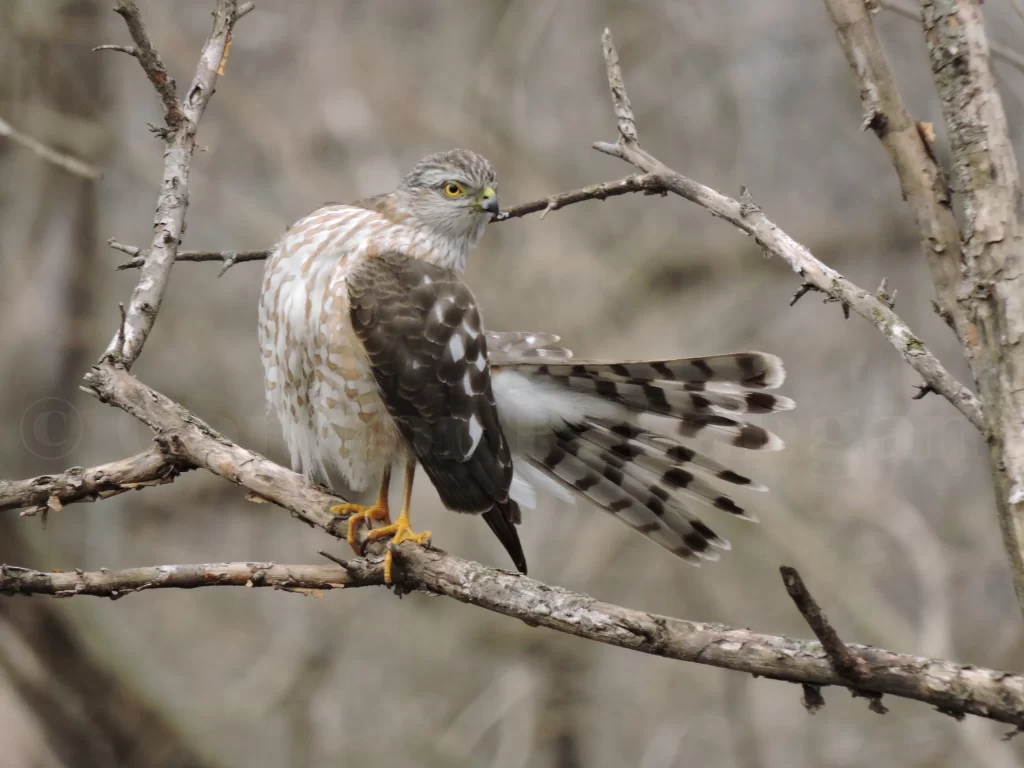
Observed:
{"x":454,"y":189}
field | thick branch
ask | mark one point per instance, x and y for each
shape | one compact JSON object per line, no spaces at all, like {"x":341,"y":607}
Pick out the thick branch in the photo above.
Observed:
{"x":189,"y":441}
{"x":182,"y":121}
{"x":953,"y":688}
{"x":921,"y":180}
{"x":748,"y":217}
{"x":992,"y":298}
{"x":1008,"y":55}
{"x":53,"y":492}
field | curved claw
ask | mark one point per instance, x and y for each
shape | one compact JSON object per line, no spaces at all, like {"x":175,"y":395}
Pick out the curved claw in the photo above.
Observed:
{"x":400,"y":531}
{"x":357,"y":514}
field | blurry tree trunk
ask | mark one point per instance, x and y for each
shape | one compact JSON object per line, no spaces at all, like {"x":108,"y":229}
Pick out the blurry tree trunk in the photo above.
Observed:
{"x":89,"y":716}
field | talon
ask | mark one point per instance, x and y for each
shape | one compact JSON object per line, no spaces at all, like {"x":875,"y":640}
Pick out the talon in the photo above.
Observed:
{"x":357,"y":513}
{"x":399,"y":531}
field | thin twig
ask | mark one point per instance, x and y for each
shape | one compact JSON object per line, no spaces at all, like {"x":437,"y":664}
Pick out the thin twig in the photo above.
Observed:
{"x":883,"y":295}
{"x":128,"y":49}
{"x":620,"y":101}
{"x":922,"y":390}
{"x":151,"y":62}
{"x":770,"y":237}
{"x":648,"y":184}
{"x":50,"y":155}
{"x":844,"y":661}
{"x":802,"y":291}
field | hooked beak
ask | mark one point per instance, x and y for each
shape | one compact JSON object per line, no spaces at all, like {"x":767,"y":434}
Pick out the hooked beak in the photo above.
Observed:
{"x":488,"y":200}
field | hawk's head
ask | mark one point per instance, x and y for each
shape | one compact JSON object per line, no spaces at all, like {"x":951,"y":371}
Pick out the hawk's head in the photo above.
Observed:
{"x":452,"y":193}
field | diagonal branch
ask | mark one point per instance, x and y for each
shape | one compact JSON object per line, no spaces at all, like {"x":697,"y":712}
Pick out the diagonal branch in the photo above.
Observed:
{"x":845,"y":662}
{"x":921,"y":179}
{"x":188,"y":441}
{"x":182,"y":118}
{"x":748,"y":217}
{"x":50,"y":155}
{"x":953,"y":688}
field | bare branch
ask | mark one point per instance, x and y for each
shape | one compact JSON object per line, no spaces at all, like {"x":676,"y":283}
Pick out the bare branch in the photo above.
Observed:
{"x":620,"y":101}
{"x":953,"y":688}
{"x":182,"y":120}
{"x":116,"y":584}
{"x":990,"y":302}
{"x":120,"y":48}
{"x":189,"y":441}
{"x":50,"y":155}
{"x":845,"y":662}
{"x":150,"y":467}
{"x":749,"y":218}
{"x":647,"y":184}
{"x":922,"y":182}
{"x":151,"y":62}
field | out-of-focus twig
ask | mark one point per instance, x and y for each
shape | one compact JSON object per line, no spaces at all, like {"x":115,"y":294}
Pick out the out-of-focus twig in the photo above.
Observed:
{"x":50,"y":155}
{"x":749,"y":218}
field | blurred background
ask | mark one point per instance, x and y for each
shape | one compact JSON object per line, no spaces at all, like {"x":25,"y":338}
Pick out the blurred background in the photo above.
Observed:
{"x":884,"y":504}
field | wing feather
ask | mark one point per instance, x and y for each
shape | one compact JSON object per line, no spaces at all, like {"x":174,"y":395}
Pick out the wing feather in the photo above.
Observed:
{"x":420,"y":327}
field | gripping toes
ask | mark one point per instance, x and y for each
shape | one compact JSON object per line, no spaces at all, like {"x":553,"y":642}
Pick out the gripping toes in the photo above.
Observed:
{"x":356,"y":514}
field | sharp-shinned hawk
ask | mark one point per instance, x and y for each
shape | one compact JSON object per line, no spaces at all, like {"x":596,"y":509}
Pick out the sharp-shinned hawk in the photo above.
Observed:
{"x":375,"y":354}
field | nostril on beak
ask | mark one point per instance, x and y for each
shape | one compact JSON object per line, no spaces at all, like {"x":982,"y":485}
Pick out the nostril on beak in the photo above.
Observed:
{"x":489,"y":201}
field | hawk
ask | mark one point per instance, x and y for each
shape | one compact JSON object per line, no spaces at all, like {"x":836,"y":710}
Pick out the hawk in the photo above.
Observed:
{"x":375,"y":356}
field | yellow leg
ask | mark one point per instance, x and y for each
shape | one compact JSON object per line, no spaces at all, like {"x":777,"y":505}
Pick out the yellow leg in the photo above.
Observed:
{"x":377,"y":511}
{"x":401,"y":530}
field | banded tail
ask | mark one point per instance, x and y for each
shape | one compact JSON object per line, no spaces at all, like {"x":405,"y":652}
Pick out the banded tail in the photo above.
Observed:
{"x":613,"y":432}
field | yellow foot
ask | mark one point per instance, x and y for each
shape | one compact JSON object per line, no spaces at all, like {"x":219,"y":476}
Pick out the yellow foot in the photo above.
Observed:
{"x":400,"y":531}
{"x":359,"y":513}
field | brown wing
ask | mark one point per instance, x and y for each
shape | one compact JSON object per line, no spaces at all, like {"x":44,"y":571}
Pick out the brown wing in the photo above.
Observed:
{"x":421,"y":330}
